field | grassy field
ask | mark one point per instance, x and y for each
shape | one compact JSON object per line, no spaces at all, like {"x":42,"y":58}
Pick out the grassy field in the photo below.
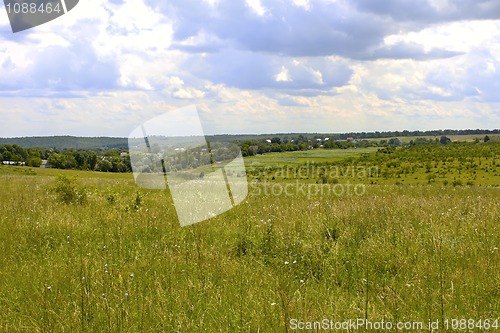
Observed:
{"x":111,"y":257}
{"x":296,"y":158}
{"x":456,"y":164}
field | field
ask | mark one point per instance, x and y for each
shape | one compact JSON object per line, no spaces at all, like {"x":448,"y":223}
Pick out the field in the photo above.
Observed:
{"x":461,"y":137}
{"x":417,"y":241}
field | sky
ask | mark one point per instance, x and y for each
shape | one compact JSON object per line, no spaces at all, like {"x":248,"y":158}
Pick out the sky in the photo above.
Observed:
{"x":254,"y":66}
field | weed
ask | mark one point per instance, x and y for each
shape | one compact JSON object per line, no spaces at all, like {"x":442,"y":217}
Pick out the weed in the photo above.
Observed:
{"x":68,"y":192}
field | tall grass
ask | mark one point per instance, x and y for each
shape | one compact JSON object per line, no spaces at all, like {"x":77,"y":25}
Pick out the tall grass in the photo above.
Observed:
{"x":120,"y":262}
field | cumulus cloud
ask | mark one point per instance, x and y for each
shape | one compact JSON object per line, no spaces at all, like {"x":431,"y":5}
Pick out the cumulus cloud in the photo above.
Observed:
{"x":60,"y":68}
{"x":256,"y":66}
{"x":354,"y":30}
{"x":255,"y":70}
{"x":431,"y":11}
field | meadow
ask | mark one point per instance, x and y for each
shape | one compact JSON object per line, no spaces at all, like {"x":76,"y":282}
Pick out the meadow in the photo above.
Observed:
{"x":92,"y":252}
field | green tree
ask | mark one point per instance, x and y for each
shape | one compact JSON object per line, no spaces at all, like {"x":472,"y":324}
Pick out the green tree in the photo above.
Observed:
{"x":444,"y":140}
{"x":92,"y":160}
{"x":7,"y":155}
{"x":104,"y":165}
{"x":34,"y":162}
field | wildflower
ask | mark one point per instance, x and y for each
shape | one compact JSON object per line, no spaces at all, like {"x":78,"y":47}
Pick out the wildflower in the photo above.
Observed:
{"x":103,"y":295}
{"x":83,"y":278}
{"x":104,"y":247}
{"x":49,"y":288}
{"x":294,"y":262}
{"x":301,"y":281}
{"x":126,"y":294}
{"x":286,"y":262}
{"x":132,"y":275}
{"x":105,"y":265}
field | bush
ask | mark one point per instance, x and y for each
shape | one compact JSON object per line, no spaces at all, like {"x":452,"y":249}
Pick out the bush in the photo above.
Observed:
{"x":68,"y":192}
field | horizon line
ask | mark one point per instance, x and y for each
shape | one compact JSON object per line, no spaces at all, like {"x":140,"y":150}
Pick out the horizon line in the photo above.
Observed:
{"x":254,"y":134}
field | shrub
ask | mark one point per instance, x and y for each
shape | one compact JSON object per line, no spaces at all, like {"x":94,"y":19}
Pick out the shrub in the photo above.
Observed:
{"x":68,"y":192}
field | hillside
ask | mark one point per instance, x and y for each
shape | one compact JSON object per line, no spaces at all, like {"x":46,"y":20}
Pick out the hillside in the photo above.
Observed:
{"x":104,"y":143}
{"x":66,"y":142}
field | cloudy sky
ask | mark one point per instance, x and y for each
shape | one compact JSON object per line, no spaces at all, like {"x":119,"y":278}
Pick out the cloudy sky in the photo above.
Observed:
{"x":254,"y":66}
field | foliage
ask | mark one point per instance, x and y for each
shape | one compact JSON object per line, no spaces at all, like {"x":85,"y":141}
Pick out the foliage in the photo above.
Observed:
{"x":109,"y":160}
{"x":67,"y":142}
{"x":68,"y":192}
{"x":473,"y":164}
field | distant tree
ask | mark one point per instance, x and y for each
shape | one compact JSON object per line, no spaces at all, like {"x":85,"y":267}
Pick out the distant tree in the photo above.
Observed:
{"x":68,"y":160}
{"x":329,"y":145}
{"x":81,"y":159}
{"x":276,"y":140}
{"x":55,"y":160}
{"x":104,"y":165}
{"x":7,"y":156}
{"x":395,"y":142}
{"x":486,"y":138}
{"x":92,"y":160}
{"x":34,"y":162}
{"x":119,"y":164}
{"x":444,"y":140}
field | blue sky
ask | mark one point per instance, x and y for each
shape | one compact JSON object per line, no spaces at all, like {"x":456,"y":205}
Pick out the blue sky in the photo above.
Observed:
{"x":254,"y":66}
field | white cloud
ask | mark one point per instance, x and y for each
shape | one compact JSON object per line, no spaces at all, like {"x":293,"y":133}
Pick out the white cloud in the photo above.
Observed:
{"x":460,"y":36}
{"x":256,"y":6}
{"x":283,"y":75}
{"x":254,"y":66}
{"x":302,"y":3}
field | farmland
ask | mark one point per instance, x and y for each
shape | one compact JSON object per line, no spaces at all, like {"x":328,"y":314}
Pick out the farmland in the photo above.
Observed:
{"x":91,"y":252}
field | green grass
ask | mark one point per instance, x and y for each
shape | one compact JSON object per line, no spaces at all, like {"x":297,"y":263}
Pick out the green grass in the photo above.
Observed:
{"x":457,"y":164}
{"x":297,"y":158}
{"x":121,"y":263}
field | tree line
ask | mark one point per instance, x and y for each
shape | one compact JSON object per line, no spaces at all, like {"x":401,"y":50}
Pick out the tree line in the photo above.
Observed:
{"x":302,"y":142}
{"x":118,"y":160}
{"x":111,"y":160}
{"x":105,"y":143}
